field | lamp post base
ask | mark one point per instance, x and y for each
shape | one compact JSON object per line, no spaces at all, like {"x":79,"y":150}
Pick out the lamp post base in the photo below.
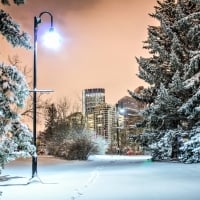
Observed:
{"x":35,"y":179}
{"x":34,"y":165}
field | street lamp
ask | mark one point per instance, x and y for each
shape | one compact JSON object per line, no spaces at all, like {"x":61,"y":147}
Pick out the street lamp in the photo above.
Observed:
{"x":119,"y":111}
{"x":37,"y":21}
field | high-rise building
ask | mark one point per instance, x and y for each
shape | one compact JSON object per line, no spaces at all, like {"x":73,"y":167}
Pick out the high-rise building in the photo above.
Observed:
{"x":98,"y":114}
{"x":130,"y":104}
{"x":130,"y":108}
{"x":91,"y":98}
{"x":104,"y":120}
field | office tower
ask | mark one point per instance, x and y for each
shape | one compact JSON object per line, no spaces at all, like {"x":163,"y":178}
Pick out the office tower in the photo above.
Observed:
{"x":130,"y":108}
{"x":130,"y":105}
{"x":99,"y":115}
{"x":104,"y":120}
{"x":91,"y":98}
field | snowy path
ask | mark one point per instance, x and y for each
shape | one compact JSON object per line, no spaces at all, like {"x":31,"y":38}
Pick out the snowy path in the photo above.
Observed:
{"x":103,"y":178}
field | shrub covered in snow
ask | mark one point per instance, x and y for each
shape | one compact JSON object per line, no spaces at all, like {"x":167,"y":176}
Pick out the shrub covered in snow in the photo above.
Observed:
{"x":78,"y":146}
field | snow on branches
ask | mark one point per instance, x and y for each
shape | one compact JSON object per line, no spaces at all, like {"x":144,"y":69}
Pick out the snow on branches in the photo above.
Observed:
{"x":172,"y":72}
{"x":11,"y":31}
{"x":15,"y":137}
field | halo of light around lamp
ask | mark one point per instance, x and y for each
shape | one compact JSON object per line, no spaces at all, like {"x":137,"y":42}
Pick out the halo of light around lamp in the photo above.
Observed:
{"x":51,"y":39}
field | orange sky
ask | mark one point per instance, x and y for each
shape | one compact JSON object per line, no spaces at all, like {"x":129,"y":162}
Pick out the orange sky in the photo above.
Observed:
{"x":100,"y":41}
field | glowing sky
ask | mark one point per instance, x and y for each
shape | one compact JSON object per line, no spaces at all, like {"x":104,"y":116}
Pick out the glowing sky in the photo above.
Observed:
{"x":101,"y":39}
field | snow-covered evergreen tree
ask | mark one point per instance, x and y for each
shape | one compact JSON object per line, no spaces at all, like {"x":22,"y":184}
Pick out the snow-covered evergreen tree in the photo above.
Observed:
{"x":173,"y":74}
{"x":15,"y":137}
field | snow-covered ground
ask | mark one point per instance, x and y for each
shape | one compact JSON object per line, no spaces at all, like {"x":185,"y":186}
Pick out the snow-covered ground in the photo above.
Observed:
{"x":118,"y":158}
{"x":101,"y":178}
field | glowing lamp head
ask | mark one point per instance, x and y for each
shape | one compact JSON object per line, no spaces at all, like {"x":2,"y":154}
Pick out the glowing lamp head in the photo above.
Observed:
{"x":51,"y":39}
{"x":121,"y":111}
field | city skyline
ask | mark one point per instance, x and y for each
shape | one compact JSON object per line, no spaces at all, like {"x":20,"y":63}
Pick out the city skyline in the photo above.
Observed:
{"x":100,"y":42}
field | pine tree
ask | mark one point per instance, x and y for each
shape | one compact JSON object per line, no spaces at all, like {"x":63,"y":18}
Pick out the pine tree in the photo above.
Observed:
{"x":172,"y":72}
{"x":11,"y":31}
{"x":15,"y":137}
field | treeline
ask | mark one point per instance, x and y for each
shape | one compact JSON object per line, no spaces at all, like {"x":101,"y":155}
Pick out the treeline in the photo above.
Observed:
{"x":66,"y":135}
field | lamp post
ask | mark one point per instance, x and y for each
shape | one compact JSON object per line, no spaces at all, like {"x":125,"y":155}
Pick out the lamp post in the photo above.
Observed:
{"x":119,"y":110}
{"x":37,"y":21}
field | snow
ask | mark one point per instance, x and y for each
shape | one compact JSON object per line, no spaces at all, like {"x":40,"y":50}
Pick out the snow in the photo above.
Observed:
{"x":129,"y":176}
{"x":190,"y":82}
{"x":118,"y":158}
{"x":55,"y":182}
